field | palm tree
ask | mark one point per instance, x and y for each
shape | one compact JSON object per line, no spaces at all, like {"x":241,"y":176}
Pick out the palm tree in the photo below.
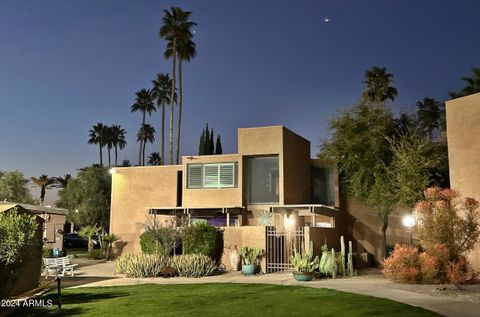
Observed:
{"x":175,"y":26}
{"x":108,"y":140}
{"x":97,"y":135}
{"x":472,"y":87}
{"x":429,"y":115}
{"x":88,"y":232}
{"x":378,"y":83}
{"x":186,"y":50}
{"x":118,"y":139}
{"x":155,"y":159}
{"x":62,"y":182}
{"x":143,"y":103}
{"x":162,"y":86}
{"x":144,"y":135}
{"x":44,"y":182}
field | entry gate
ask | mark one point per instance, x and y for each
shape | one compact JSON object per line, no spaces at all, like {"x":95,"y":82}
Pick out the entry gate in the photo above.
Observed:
{"x":280,"y":246}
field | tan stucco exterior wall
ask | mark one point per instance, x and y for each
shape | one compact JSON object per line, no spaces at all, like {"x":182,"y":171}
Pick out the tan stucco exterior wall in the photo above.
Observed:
{"x":134,"y":191}
{"x":296,"y":168}
{"x":54,"y":223}
{"x":212,"y":197}
{"x":249,"y":236}
{"x":463,"y":136}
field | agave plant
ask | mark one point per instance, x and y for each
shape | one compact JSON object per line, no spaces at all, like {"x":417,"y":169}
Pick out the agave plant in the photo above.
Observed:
{"x":250,"y":256}
{"x":304,"y":261}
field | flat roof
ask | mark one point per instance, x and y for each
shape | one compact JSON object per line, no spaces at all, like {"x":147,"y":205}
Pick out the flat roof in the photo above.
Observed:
{"x":35,"y":208}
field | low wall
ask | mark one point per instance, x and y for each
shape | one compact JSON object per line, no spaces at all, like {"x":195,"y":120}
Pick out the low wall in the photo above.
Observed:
{"x":250,"y":236}
{"x":318,"y":236}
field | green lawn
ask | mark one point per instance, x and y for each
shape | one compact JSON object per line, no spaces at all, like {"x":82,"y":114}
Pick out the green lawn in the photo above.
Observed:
{"x":221,"y":300}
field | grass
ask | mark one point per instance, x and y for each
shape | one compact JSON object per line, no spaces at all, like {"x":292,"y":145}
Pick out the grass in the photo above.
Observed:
{"x":79,"y":252}
{"x":220,"y":300}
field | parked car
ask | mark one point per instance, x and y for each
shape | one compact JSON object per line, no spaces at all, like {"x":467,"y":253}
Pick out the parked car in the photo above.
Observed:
{"x":74,"y":240}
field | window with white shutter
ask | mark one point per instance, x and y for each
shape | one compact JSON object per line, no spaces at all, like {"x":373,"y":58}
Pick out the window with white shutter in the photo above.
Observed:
{"x":221,"y":175}
{"x":194,"y":176}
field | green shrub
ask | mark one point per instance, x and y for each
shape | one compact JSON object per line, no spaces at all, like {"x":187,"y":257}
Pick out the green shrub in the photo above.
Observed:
{"x":193,"y":265}
{"x":19,"y":244}
{"x":47,"y":252}
{"x":148,"y":243}
{"x":205,"y":239}
{"x":141,"y":265}
{"x":96,"y":254}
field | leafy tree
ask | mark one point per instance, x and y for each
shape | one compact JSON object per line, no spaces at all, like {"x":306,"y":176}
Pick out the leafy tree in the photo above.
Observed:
{"x":378,"y":85}
{"x":176,"y":26}
{"x":144,"y":135}
{"x":18,"y":245}
{"x":13,"y":188}
{"x":89,"y":194}
{"x":208,"y":145}
{"x":154,"y":159}
{"x":44,"y":182}
{"x":162,"y":86}
{"x":218,"y":146}
{"x":117,"y":134}
{"x":97,"y":135}
{"x":143,"y":103}
{"x":430,"y":115}
{"x":126,"y":163}
{"x":62,"y":182}
{"x":472,"y":85}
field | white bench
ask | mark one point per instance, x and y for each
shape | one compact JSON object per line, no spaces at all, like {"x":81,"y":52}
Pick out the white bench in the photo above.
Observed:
{"x":58,"y":266}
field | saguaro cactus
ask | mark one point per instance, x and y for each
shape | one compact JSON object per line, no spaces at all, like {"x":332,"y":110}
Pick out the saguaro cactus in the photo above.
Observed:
{"x":350,"y":259}
{"x":342,"y":259}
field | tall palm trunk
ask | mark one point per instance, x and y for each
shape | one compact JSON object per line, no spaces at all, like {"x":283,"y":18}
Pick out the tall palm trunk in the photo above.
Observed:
{"x":109,"y":159}
{"x":163,"y":132}
{"x":142,"y":141}
{"x":116,"y":154}
{"x":172,"y":96}
{"x":42,"y":195}
{"x":101,"y":156}
{"x":180,"y":104}
{"x":143,"y":154}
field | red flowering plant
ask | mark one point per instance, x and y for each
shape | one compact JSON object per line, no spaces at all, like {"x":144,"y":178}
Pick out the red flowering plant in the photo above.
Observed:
{"x":448,"y":228}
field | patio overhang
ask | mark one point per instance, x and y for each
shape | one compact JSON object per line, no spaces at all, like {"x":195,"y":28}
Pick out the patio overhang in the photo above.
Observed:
{"x":170,"y":211}
{"x":306,"y":209}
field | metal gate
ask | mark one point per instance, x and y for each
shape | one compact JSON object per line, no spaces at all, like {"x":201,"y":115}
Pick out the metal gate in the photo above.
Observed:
{"x":280,"y":246}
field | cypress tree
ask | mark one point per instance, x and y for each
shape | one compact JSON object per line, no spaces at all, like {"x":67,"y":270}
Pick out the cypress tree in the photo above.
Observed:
{"x":201,"y":147}
{"x":212,"y":146}
{"x":207,"y":142}
{"x":218,"y":146}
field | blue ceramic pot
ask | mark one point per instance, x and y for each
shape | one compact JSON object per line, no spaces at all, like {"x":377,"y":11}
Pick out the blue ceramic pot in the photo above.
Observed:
{"x":303,"y":276}
{"x":248,"y":269}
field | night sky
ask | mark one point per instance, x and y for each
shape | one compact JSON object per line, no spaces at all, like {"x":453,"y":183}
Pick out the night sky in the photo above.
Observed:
{"x":66,"y":65}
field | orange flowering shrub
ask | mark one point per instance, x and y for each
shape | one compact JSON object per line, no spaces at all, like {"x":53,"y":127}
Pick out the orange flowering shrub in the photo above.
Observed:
{"x":457,"y":271}
{"x":403,"y":265}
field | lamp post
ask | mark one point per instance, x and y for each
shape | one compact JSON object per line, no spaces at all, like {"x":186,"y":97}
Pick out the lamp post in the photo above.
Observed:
{"x":409,"y":221}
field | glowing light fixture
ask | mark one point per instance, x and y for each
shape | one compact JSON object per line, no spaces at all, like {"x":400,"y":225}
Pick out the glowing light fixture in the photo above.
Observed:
{"x":408,"y":221}
{"x":112,"y":171}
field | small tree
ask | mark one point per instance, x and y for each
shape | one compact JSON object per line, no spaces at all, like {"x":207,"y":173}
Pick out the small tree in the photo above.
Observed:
{"x":18,"y":244}
{"x":108,"y":241}
{"x":165,"y":236}
{"x":446,"y":219}
{"x":13,"y":187}
{"x":88,"y":232}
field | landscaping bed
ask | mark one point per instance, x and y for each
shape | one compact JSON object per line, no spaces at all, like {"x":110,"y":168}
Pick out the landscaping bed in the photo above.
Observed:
{"x":221,"y":300}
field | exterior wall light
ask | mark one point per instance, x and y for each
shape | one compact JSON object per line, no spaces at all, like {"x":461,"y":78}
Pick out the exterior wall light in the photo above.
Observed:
{"x":409,"y":221}
{"x":112,"y":171}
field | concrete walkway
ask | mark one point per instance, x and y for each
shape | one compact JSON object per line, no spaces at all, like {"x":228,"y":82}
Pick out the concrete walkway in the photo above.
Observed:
{"x":372,"y":285}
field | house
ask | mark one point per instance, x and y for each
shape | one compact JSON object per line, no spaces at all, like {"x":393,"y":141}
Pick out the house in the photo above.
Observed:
{"x":271,"y":194}
{"x":463,"y":135}
{"x":53,"y":225}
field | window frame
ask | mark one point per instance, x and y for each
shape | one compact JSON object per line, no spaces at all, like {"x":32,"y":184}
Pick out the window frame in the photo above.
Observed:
{"x":218,"y":184}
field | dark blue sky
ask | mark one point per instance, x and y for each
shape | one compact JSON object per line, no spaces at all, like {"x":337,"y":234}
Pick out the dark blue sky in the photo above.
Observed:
{"x":65,"y":65}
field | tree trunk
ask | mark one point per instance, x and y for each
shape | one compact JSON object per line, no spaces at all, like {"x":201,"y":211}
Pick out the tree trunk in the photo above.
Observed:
{"x":42,"y":195}
{"x":140,"y":153}
{"x":384,"y":235}
{"x":109,"y":159}
{"x":143,"y":153}
{"x":180,"y":105}
{"x":172,"y":96}
{"x":116,"y":155}
{"x":101,"y":156}
{"x":163,"y":132}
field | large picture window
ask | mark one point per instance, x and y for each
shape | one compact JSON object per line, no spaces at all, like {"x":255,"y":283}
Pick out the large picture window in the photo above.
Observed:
{"x":263,"y":179}
{"x":218,"y":175}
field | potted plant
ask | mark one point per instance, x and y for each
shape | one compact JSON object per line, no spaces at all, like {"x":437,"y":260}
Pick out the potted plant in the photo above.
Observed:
{"x":250,"y":258}
{"x":304,"y":264}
